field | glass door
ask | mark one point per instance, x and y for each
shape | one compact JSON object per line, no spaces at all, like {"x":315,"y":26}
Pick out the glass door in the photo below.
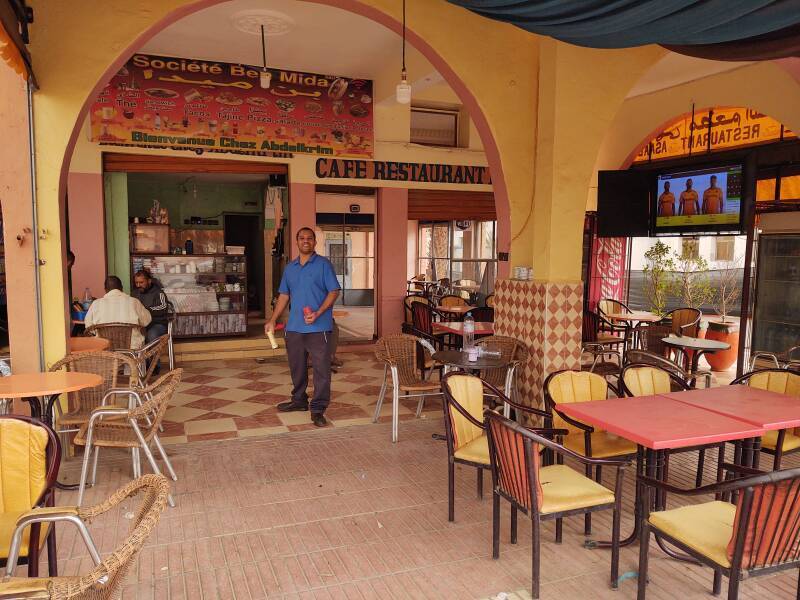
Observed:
{"x":776,"y":319}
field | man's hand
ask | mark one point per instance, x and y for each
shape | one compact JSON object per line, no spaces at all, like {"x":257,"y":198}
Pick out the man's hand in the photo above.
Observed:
{"x":269,"y":326}
{"x":311,"y":317}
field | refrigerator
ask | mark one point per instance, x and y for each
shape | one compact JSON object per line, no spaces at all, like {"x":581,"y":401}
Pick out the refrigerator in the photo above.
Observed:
{"x":776,"y":304}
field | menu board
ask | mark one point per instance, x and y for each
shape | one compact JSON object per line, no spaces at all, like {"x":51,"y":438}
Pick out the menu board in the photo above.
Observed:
{"x":184,"y":103}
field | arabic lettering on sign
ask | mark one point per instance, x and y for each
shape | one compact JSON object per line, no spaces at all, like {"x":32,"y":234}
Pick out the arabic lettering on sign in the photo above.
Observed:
{"x":723,"y":127}
{"x":184,"y":103}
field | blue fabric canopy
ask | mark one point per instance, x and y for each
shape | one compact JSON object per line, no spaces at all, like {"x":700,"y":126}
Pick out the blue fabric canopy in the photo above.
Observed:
{"x":627,"y":23}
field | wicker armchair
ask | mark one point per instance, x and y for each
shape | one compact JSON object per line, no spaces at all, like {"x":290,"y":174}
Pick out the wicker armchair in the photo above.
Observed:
{"x":546,"y":492}
{"x":451,"y":300}
{"x":109,"y":365}
{"x":758,"y":535}
{"x":131,"y":428}
{"x":119,"y":334}
{"x":597,"y":342}
{"x":105,"y":580}
{"x":398,"y":353}
{"x":465,"y":430}
{"x":147,"y":357}
{"x":30,"y":455}
{"x":512,"y":351}
{"x":790,"y":359}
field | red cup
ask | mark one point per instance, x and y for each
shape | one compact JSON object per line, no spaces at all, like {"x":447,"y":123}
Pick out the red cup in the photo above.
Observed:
{"x":307,"y":311}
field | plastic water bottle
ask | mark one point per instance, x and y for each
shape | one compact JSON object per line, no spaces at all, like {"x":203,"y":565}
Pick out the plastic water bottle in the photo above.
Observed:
{"x":87,"y":299}
{"x":469,"y":332}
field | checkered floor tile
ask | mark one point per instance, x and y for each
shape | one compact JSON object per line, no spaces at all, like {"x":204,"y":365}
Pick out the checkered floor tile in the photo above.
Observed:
{"x":237,"y":399}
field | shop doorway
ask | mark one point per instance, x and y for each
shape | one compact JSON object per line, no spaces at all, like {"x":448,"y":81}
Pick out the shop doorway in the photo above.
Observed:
{"x":246,"y":231}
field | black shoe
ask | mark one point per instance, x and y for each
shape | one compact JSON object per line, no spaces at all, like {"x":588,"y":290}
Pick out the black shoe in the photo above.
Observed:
{"x":318,"y":419}
{"x":292,"y":406}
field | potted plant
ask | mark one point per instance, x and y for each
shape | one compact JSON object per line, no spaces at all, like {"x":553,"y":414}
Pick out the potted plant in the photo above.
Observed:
{"x":691,"y":281}
{"x":657,"y":276}
{"x":726,"y":329}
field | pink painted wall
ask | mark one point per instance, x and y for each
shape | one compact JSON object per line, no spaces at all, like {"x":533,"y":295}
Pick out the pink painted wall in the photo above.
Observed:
{"x":15,"y":197}
{"x":392,"y":258}
{"x":302,"y":211}
{"x":87,"y":232}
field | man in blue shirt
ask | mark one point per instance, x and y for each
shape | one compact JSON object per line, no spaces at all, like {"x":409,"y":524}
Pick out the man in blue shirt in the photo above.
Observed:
{"x":309,"y":285}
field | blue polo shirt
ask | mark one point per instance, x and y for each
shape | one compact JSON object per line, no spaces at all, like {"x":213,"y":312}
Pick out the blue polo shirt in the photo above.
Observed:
{"x":309,"y":285}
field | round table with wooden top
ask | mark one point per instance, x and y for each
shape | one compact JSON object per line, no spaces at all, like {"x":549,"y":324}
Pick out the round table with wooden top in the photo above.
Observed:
{"x":40,"y":390}
{"x":88,"y":344}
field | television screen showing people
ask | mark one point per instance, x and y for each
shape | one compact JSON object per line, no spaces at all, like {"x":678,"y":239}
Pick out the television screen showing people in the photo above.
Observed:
{"x":702,"y":197}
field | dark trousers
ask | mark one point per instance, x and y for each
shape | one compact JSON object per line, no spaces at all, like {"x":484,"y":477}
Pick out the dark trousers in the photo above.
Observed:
{"x":153,"y":332}
{"x":299,"y":347}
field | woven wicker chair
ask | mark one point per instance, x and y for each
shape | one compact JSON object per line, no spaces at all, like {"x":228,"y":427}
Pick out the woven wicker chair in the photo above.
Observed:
{"x":105,"y":581}
{"x":119,"y":334}
{"x":452,"y":300}
{"x":109,"y":365}
{"x":147,"y":357}
{"x":131,"y":428}
{"x":30,"y":455}
{"x":398,"y":353}
{"x":512,"y":351}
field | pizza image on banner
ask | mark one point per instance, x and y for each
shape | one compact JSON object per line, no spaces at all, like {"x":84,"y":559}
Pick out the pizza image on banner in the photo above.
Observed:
{"x":156,"y":101}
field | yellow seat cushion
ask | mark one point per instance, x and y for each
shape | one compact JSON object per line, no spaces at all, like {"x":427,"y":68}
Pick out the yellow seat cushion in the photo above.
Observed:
{"x":604,"y":444}
{"x":475,"y":451}
{"x":770,"y":440}
{"x":25,"y":588}
{"x":8,"y":520}
{"x":705,"y":528}
{"x":564,"y":489}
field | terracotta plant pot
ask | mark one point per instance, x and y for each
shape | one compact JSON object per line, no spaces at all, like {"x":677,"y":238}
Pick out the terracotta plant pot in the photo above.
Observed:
{"x":723,"y":332}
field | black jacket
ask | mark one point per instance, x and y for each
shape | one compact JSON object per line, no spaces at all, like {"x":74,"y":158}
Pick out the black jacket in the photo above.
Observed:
{"x":154,"y":300}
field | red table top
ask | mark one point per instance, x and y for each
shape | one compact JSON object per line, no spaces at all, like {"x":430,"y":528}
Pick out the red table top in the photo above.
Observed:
{"x":659,"y":422}
{"x":761,"y":408}
{"x":457,"y":327}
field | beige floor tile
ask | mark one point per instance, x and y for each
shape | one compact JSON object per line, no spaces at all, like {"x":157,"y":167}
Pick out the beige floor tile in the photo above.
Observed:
{"x":349,"y":422}
{"x":235,"y":394}
{"x":230,"y":382}
{"x":175,"y":439}
{"x":295,"y":418}
{"x":209,"y":426}
{"x":241,"y":409}
{"x":180,"y":414}
{"x":258,"y":431}
{"x":180,"y":399}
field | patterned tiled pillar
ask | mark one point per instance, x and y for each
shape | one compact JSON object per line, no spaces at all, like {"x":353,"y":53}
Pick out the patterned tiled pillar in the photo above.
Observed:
{"x":546,"y":316}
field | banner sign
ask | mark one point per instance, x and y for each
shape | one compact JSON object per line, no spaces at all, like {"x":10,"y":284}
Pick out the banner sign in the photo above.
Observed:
{"x":402,"y":171}
{"x":608,"y":269}
{"x":184,"y":103}
{"x":723,"y":127}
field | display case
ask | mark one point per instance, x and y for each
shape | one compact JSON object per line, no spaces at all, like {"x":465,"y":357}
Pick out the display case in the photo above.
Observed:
{"x":208,"y":291}
{"x":776,"y":317}
{"x":149,"y":238}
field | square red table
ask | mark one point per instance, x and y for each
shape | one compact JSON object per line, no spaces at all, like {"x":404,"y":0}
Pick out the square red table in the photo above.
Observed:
{"x":660,"y":422}
{"x":762,"y":408}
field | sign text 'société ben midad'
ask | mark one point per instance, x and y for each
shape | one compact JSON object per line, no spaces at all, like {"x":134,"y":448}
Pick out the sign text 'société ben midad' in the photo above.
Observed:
{"x":328,"y":168}
{"x":195,"y":104}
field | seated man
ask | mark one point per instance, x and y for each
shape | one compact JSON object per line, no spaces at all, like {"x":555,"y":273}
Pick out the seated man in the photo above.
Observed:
{"x":150,"y":293}
{"x":117,"y":307}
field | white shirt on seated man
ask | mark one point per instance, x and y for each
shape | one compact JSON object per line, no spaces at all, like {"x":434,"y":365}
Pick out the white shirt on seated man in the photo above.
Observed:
{"x":118,"y":307}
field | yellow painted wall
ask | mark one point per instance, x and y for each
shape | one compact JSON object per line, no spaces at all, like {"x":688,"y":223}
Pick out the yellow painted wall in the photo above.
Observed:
{"x":75,"y":43}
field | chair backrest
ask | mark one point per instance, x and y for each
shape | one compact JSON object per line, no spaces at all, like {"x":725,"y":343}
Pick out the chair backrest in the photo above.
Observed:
{"x":591,"y":325}
{"x":780,"y":381}
{"x":148,"y":358}
{"x":648,"y":380}
{"x":482,"y":314}
{"x":422,"y":317}
{"x":766,"y":528}
{"x":108,"y":365}
{"x":408,"y":302}
{"x":651,"y":335}
{"x":118,"y":334}
{"x":156,"y":399}
{"x":451,"y":300}
{"x":489,"y":301}
{"x":464,"y":392}
{"x":510,"y":349}
{"x":30,"y":455}
{"x":608,"y":306}
{"x":399,"y":350}
{"x":514,"y":455}
{"x":685,"y":321}
{"x":105,"y":581}
{"x":563,"y":387}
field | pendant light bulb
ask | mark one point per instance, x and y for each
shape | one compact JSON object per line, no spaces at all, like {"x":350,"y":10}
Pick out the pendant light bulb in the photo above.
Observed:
{"x":265,"y":79}
{"x":403,"y":90}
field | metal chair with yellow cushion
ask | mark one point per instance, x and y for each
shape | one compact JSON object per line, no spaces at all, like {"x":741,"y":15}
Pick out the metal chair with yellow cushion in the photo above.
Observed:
{"x":781,"y":381}
{"x":464,"y":428}
{"x":30,"y":455}
{"x":564,"y":387}
{"x":546,"y":492}
{"x":758,"y":535}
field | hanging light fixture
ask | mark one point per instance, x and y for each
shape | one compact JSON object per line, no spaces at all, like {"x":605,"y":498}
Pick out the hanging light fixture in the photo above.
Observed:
{"x":265,"y":77}
{"x":403,"y":90}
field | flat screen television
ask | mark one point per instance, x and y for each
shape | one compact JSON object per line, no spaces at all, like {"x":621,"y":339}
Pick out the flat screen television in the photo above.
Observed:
{"x":623,"y":203}
{"x":698,"y":200}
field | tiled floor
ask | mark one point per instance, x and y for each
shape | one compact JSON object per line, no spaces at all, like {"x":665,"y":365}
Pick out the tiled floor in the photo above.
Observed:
{"x":344,"y":513}
{"x":236,"y":399}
